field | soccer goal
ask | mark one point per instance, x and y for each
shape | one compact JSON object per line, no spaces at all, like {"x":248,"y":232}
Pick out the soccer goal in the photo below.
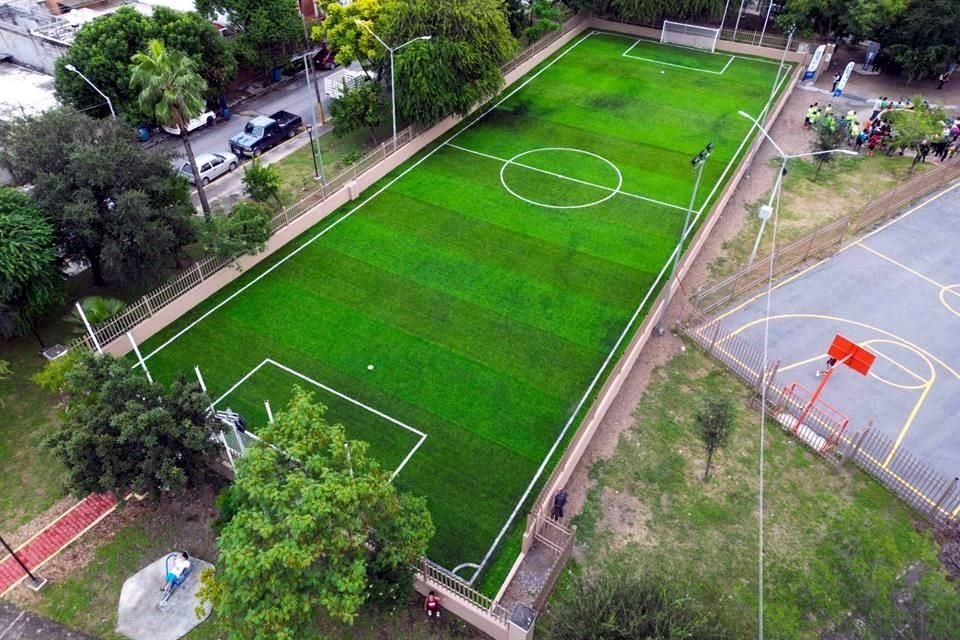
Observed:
{"x":689,"y":35}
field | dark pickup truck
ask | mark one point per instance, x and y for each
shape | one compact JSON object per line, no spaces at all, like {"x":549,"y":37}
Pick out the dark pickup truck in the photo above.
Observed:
{"x":265,"y":132}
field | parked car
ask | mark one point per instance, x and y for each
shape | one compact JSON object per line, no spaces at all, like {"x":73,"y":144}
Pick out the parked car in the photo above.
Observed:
{"x":264,"y":132}
{"x":205,"y":119}
{"x":211,"y":166}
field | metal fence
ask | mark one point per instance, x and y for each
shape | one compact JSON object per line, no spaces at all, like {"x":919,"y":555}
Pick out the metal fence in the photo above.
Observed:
{"x":559,"y":540}
{"x":825,"y":241}
{"x":435,"y":574}
{"x":824,"y":430}
{"x":742,"y":36}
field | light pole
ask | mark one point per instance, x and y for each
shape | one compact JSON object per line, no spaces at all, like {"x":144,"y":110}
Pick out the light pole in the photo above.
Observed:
{"x":766,"y":211}
{"x":37,"y":582}
{"x":72,"y":68}
{"x":393,"y":85}
{"x":317,"y":170}
{"x":697,"y":163}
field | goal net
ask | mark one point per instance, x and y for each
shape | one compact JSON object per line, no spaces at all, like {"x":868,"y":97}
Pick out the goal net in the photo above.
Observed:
{"x":689,"y":35}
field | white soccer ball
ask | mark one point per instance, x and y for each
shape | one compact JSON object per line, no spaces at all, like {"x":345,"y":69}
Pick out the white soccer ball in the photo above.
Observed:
{"x":369,"y":367}
{"x":662,"y":71}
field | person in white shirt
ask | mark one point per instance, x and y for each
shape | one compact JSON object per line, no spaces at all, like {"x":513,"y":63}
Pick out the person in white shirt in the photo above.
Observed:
{"x":175,"y":571}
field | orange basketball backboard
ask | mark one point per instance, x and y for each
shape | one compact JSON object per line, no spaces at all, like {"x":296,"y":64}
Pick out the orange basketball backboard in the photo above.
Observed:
{"x":851,"y":354}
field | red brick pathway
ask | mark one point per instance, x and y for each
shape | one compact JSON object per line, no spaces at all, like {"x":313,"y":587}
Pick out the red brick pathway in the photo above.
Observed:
{"x":36,"y":551}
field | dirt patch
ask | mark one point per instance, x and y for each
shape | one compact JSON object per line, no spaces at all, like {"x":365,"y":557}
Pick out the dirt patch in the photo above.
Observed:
{"x":625,"y":519}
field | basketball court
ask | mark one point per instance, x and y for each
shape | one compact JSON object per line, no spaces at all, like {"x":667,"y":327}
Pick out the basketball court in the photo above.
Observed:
{"x":896,"y":292}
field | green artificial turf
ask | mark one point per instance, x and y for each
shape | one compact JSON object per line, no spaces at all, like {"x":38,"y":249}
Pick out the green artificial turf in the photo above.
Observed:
{"x":486,"y":315}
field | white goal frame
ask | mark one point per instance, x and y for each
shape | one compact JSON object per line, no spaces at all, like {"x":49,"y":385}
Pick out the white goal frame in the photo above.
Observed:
{"x":689,"y":35}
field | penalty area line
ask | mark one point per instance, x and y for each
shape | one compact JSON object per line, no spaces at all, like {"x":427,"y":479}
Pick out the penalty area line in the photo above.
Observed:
{"x":564,"y":177}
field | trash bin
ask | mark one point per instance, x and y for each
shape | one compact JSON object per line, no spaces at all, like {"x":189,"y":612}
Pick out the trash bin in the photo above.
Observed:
{"x":226,"y":113}
{"x":143,"y":133}
{"x":277,"y":74}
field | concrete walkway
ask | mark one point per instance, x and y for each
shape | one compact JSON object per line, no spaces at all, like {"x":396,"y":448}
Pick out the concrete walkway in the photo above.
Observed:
{"x":46,"y":544}
{"x":20,"y":625}
{"x":141,"y":615}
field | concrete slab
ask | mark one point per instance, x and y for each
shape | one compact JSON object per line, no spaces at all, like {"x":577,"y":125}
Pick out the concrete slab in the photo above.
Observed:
{"x":897,"y":293}
{"x":140,"y":615}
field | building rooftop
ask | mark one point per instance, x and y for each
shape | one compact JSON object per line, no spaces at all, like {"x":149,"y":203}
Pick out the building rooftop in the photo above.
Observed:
{"x":25,"y":92}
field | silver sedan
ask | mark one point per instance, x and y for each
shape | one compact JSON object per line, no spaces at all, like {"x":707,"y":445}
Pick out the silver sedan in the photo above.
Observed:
{"x":211,"y":166}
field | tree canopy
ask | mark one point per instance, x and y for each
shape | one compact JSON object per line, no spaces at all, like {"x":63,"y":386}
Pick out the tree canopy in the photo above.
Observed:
{"x":315,"y":519}
{"x":459,"y":66}
{"x":359,"y":108}
{"x":30,"y":283}
{"x":123,"y":433}
{"x":245,"y":229}
{"x":123,"y":211}
{"x":350,"y":40}
{"x":103,"y":48}
{"x":268,"y":31}
{"x":919,"y":38}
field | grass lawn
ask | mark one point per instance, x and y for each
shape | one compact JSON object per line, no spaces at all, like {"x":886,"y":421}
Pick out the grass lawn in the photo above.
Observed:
{"x":810,"y":201}
{"x":478,"y":290}
{"x":838,"y":546}
{"x":30,"y":479}
{"x":338,"y":153}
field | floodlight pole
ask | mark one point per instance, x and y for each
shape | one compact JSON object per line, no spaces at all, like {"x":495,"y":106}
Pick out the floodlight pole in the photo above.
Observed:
{"x":765,"y":20}
{"x":766,"y":211}
{"x":736,"y":26}
{"x":393,"y":84}
{"x":724,"y":18}
{"x":86,"y":323}
{"x":16,"y":558}
{"x":698,"y":161}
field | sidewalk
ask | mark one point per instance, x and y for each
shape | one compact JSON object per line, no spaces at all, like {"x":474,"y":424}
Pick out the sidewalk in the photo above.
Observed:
{"x":55,"y":537}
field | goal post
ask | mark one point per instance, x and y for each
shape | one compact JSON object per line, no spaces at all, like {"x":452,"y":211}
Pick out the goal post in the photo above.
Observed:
{"x":689,"y":35}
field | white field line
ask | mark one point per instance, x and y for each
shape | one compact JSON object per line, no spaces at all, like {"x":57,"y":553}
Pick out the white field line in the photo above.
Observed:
{"x":563,"y":177}
{"x":11,"y":625}
{"x":239,"y":382}
{"x":344,"y":396}
{"x":367,"y":407}
{"x":616,"y":346}
{"x":626,"y":54}
{"x":354,"y":401}
{"x":357,"y":208}
{"x":681,"y":46}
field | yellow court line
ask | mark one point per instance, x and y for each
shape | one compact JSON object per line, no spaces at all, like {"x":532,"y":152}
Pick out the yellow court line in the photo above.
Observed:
{"x":871,"y":343}
{"x":860,"y":244}
{"x":856,"y":323}
{"x":842,"y":249}
{"x":949,"y":289}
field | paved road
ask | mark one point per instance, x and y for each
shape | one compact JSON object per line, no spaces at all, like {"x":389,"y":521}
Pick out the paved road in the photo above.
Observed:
{"x":20,"y":625}
{"x":294,"y":97}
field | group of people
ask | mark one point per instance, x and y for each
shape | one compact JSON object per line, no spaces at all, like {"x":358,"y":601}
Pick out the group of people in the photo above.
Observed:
{"x":878,"y":134}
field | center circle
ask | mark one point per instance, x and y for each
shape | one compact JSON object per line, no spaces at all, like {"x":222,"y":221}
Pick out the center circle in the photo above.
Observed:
{"x":516,"y":161}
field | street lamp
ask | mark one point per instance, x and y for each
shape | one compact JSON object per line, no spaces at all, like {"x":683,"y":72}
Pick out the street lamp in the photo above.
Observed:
{"x":392,"y":50}
{"x":317,"y":170}
{"x":697,"y":162}
{"x":72,"y":68}
{"x":37,"y":582}
{"x":766,"y":211}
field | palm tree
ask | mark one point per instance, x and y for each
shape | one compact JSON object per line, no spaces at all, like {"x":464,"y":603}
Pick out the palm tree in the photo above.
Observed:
{"x":172,"y":91}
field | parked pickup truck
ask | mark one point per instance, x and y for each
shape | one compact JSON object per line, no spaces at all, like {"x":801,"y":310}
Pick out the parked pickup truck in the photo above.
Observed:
{"x":263,"y":132}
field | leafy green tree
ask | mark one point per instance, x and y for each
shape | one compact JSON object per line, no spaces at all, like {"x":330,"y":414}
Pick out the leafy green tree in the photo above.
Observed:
{"x":262,"y":182}
{"x":459,"y":66}
{"x":30,"y":283}
{"x":351,"y":41}
{"x":912,"y":128}
{"x":358,"y":108}
{"x":245,"y":229}
{"x":123,"y":211}
{"x":268,"y":31}
{"x":314,"y":518}
{"x":545,"y":15}
{"x":714,"y":419}
{"x":830,"y":134}
{"x":626,"y":601}
{"x":123,"y":433}
{"x":102,"y":50}
{"x":172,"y":92}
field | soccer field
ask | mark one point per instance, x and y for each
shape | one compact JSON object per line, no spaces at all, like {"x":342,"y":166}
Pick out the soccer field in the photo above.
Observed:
{"x":490,"y":281}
